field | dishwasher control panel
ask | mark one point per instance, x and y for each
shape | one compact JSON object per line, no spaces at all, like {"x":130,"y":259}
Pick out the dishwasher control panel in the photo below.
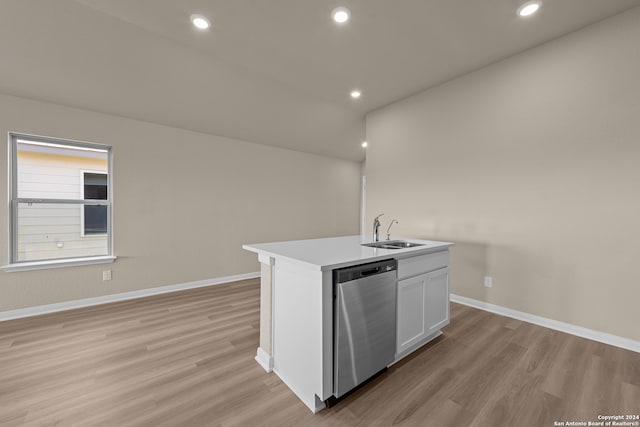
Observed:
{"x":364,"y":270}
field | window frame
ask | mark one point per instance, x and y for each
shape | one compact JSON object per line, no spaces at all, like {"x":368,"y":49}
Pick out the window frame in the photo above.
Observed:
{"x":16,"y":265}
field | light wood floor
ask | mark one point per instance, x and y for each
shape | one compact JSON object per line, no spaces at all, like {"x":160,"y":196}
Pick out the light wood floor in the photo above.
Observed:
{"x":186,"y":359}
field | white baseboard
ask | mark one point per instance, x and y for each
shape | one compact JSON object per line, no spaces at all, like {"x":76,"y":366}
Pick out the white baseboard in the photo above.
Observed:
{"x":88,"y":302}
{"x":264,"y":359}
{"x":568,"y":328}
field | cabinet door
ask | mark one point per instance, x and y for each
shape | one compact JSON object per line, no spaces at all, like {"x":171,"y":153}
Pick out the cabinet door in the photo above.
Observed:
{"x":437,"y":300}
{"x":410,"y":328}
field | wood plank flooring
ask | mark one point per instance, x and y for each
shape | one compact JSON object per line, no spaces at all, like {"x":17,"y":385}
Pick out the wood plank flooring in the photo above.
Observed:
{"x":186,"y":359}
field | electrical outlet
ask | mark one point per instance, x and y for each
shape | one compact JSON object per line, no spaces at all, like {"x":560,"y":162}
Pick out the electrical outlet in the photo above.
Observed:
{"x":106,"y":275}
{"x":488,"y":281}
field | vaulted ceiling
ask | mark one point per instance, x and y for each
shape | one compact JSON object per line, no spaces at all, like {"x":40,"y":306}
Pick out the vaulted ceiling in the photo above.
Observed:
{"x":275,"y":72}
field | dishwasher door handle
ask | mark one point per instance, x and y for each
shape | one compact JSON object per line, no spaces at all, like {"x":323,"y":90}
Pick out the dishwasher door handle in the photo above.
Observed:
{"x":370,"y":272}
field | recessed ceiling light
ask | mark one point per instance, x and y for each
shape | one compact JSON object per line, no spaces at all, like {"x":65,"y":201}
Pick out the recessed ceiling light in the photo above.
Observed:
{"x":355,"y":94}
{"x":364,"y":144}
{"x":341,"y":14}
{"x":200,"y":21}
{"x":528,"y":8}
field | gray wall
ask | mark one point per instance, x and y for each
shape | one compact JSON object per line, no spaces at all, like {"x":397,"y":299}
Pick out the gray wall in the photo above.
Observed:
{"x":184,"y":203}
{"x":531,"y":166}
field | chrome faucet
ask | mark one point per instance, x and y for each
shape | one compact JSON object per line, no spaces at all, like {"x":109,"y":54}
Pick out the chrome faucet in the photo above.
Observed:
{"x":389,"y":228}
{"x":376,"y":225}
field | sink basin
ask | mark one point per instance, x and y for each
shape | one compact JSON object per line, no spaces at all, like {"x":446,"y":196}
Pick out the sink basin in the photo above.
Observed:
{"x":381,"y":245}
{"x":392,"y":244}
{"x":403,"y":244}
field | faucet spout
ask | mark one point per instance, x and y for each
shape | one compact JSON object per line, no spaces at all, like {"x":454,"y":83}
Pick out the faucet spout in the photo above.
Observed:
{"x":393,"y":221}
{"x":376,"y":226}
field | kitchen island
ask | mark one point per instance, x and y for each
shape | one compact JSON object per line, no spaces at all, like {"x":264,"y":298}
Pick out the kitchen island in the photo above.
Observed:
{"x":297,"y":304}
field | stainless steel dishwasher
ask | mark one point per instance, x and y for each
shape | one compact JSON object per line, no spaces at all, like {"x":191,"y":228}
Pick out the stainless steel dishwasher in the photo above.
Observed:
{"x":365,"y":322}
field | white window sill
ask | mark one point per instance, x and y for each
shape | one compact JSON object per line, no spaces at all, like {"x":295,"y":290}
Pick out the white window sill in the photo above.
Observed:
{"x":58,"y":263}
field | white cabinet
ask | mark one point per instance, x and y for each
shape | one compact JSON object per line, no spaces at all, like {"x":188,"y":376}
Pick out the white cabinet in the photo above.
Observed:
{"x":437,"y":300}
{"x":423,"y":300}
{"x":411,"y":321}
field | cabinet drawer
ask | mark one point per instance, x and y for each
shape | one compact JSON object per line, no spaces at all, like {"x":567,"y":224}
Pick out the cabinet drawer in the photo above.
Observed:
{"x":408,"y":267}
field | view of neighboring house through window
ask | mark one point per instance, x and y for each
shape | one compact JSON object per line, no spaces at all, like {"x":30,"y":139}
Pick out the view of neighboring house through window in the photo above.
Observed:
{"x":60,"y":199}
{"x":94,"y":187}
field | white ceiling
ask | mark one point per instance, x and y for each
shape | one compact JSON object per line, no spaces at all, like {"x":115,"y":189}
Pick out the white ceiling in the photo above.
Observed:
{"x":276,"y":72}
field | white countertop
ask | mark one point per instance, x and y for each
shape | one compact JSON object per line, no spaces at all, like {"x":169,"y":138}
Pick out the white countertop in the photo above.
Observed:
{"x":336,"y":252}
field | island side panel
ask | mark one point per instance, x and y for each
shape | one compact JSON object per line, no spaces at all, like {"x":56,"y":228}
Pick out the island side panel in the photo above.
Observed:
{"x":265,"y":351}
{"x":298,"y":337}
{"x":265,"y":307}
{"x":326,"y":375}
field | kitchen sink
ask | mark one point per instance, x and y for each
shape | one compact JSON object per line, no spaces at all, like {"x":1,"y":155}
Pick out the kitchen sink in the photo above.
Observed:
{"x":404,"y":244}
{"x":393,"y":244}
{"x":381,"y":246}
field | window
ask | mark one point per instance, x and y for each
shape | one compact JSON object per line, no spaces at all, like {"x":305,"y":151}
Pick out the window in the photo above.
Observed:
{"x":60,"y":206}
